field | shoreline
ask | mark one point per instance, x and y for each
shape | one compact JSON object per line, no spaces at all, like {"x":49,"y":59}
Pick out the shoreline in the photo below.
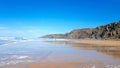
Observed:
{"x":88,"y":42}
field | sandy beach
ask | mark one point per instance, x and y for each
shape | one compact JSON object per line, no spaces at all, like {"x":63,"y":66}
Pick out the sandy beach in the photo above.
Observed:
{"x":50,"y":65}
{"x":99,"y":42}
{"x":87,"y":42}
{"x":62,"y":54}
{"x":56,"y":65}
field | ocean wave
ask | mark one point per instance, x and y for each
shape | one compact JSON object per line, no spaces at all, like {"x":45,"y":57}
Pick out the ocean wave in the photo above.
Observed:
{"x":19,"y":57}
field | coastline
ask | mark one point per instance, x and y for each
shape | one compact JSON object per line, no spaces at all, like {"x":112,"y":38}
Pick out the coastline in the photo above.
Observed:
{"x":87,"y":42}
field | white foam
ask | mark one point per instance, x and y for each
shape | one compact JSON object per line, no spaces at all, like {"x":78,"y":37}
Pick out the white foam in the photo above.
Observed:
{"x":22,"y":57}
{"x":3,"y":63}
{"x":19,"y":57}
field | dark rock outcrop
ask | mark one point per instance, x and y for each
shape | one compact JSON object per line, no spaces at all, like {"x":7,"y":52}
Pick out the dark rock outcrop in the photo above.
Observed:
{"x":109,"y":31}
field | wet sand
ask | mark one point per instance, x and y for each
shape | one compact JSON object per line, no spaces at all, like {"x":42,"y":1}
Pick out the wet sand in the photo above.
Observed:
{"x":57,"y":65}
{"x":53,"y":65}
{"x":102,"y":43}
{"x":66,"y":55}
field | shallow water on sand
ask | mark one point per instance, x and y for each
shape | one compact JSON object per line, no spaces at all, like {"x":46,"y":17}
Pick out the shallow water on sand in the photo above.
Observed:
{"x":37,"y":51}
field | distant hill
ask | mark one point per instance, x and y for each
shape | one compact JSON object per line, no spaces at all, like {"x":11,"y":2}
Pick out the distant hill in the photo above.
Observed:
{"x":109,"y":31}
{"x":60,"y":36}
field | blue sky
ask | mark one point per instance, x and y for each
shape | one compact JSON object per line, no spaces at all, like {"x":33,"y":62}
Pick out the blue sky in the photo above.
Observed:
{"x":34,"y":18}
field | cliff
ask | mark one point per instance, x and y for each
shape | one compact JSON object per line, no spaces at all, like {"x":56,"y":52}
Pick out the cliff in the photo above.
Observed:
{"x":109,"y":31}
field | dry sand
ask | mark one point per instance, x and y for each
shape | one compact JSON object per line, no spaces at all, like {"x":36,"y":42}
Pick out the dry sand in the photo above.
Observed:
{"x":89,"y":42}
{"x":99,"y":42}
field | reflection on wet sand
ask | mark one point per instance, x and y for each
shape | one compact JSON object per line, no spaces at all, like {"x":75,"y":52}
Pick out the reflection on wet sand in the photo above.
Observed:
{"x":113,"y":51}
{"x":63,"y":54}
